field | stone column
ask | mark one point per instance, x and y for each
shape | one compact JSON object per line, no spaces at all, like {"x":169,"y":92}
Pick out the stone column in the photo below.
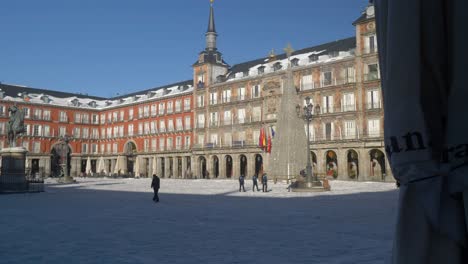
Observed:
{"x":167,"y":166}
{"x":184,"y":167}
{"x":364,"y":165}
{"x":209,"y":165}
{"x":222,"y":166}
{"x":75,"y":166}
{"x":250,"y":166}
{"x":195,"y":167}
{"x":235,"y":166}
{"x":342,"y":164}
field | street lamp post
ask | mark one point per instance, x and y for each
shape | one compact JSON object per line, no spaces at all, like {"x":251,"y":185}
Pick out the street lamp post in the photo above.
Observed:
{"x":312,"y":179}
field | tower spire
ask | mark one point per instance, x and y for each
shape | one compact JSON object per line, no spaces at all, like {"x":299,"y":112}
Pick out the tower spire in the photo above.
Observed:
{"x":211,"y":32}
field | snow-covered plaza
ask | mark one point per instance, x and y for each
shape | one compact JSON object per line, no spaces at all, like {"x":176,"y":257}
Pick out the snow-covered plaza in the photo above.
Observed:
{"x":197,"y":221}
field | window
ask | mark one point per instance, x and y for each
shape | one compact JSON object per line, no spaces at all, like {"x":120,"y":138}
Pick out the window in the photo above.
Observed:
{"x":154,"y":146}
{"x":350,"y":75}
{"x":372,"y":72}
{"x":179,"y":125}
{"x":187,"y":142}
{"x":103,"y":133}
{"x":213,"y":119}
{"x":228,"y":139}
{"x":327,"y":106}
{"x":277,"y":66}
{"x":170,"y":125}
{"x":213,"y":98}
{"x":311,"y":132}
{"x":201,"y":140}
{"x":170,"y":108}
{"x":130,"y":114}
{"x":257,"y":114}
{"x":370,"y":44}
{"x":140,"y":129}
{"x":153,"y":110}
{"x":226,"y":96}
{"x":78,"y":118}
{"x":2,"y":110}
{"x":373,"y":127}
{"x":2,"y":128}
{"x":36,"y":148}
{"x":306,"y":82}
{"x":161,"y":144}
{"x":94,"y":148}
{"x":63,"y":117}
{"x":256,"y":91}
{"x":295,"y":62}
{"x":186,"y":104}
{"x":178,"y":143}
{"x":154,"y":128}
{"x":146,"y":111}
{"x":109,"y":149}
{"x":103,"y":119}
{"x":178,"y":106}
{"x":103,"y":148}
{"x":62,"y":131}
{"x":37,"y":114}
{"x":147,"y":128}
{"x":329,"y":130}
{"x":140,"y":112}
{"x":350,"y":129}
{"x":37,"y":130}
{"x":241,"y":95}
{"x":170,"y":143}
{"x":146,"y":145}
{"x":130,"y":130}
{"x":214,"y":139}
{"x":327,"y":78}
{"x":115,"y":147}
{"x":76,"y":132}
{"x":122,"y":115}
{"x":95,"y":133}
{"x":85,"y":118}
{"x":26,"y":112}
{"x":161,"y":108}
{"x":348,"y":102}
{"x":373,"y":99}
{"x":162,"y":126}
{"x":85,"y":132}
{"x":84,"y":148}
{"x":188,"y":124}
{"x":227,"y":117}
{"x":201,"y":121}
{"x":109,"y":132}
{"x":241,"y":115}
{"x":46,"y":131}
{"x":313,"y":58}
{"x":261,"y":70}
{"x":201,"y":101}
{"x":94,"y":119}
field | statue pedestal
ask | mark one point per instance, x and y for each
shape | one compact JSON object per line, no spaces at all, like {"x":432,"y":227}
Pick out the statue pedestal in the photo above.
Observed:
{"x":304,"y":186}
{"x":13,"y":178}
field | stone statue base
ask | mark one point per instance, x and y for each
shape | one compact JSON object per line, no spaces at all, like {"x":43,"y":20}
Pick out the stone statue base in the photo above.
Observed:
{"x":13,"y":177}
{"x":314,"y":186}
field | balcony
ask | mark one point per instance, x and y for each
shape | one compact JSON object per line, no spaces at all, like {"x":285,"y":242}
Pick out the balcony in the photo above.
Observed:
{"x":371,"y":76}
{"x":374,"y":105}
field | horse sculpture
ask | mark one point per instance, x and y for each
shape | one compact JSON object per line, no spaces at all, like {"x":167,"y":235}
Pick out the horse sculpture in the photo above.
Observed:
{"x":15,"y":125}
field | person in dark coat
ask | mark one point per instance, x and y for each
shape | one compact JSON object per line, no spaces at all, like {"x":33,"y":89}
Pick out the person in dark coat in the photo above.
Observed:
{"x":155,"y":185}
{"x":255,"y":183}
{"x":241,"y":183}
{"x":264,"y":183}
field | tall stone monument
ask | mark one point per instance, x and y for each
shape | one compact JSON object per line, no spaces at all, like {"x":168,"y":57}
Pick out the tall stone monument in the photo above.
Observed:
{"x":13,"y":177}
{"x":289,"y":146}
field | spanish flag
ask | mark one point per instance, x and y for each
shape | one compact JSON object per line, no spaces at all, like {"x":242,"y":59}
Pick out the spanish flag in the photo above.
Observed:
{"x":264,"y":140}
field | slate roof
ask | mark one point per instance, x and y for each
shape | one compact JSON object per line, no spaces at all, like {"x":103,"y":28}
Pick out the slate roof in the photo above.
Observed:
{"x":188,"y":82}
{"x":362,"y":18}
{"x":338,"y":45}
{"x":13,"y":90}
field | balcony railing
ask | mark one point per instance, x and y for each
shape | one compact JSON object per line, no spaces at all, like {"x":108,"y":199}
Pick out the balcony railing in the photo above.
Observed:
{"x":371,"y":76}
{"x":374,"y":105}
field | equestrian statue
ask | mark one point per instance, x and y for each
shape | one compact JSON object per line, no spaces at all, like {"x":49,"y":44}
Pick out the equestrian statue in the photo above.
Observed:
{"x":15,"y":125}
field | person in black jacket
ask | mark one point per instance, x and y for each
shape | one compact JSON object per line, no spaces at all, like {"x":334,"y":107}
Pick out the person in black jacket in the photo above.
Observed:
{"x":255,"y":183}
{"x":241,"y":183}
{"x":264,"y":183}
{"x":155,"y":185}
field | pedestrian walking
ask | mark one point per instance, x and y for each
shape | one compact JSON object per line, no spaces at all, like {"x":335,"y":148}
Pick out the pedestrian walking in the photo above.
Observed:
{"x":264,"y":182}
{"x":155,"y":185}
{"x":255,"y":183}
{"x":241,"y":183}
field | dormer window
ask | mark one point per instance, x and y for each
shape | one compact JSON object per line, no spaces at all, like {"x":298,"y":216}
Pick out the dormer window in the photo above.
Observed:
{"x":295,"y":62}
{"x":2,"y":93}
{"x":108,"y":103}
{"x":333,"y":54}
{"x":313,"y":58}
{"x":246,"y":73}
{"x":45,"y":99}
{"x":75,"y":102}
{"x":93,"y":104}
{"x":277,"y":66}
{"x":261,"y":70}
{"x":220,"y":78}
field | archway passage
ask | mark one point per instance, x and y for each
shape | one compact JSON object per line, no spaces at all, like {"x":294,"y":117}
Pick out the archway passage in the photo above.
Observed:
{"x":188,"y":169}
{"x":34,"y":167}
{"x":353,"y":164}
{"x":258,"y":163}
{"x":59,"y":153}
{"x":179,"y":167}
{"x":314,"y":161}
{"x":203,"y":172}
{"x":130,"y":153}
{"x":163,"y":166}
{"x":215,"y":166}
{"x":377,"y":161}
{"x":243,"y":165}
{"x":331,"y":164}
{"x":228,"y":166}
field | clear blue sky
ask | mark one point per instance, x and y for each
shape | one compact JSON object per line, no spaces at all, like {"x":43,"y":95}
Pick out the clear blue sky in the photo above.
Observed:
{"x":104,"y":47}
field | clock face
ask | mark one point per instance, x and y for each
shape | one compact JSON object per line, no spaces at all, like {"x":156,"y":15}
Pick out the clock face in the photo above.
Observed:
{"x":370,"y":11}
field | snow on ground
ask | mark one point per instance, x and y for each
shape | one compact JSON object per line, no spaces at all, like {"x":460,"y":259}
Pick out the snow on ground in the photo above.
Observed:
{"x":197,"y":221}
